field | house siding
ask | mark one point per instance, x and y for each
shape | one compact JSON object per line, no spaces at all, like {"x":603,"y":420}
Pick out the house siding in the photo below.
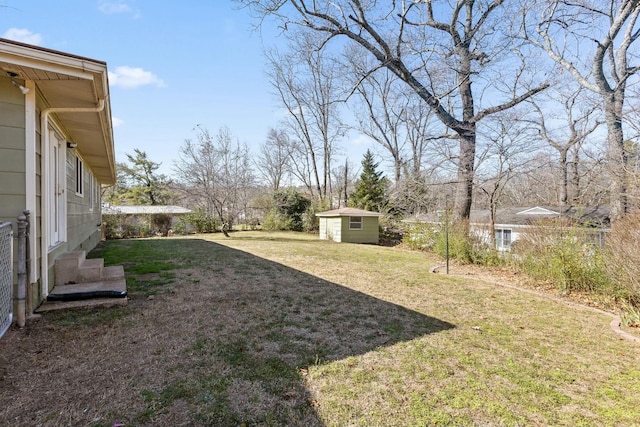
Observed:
{"x":83,"y":211}
{"x":12,"y":152}
{"x":368,"y":234}
{"x":83,"y":218}
{"x":334,"y":229}
{"x":12,"y":160}
{"x":323,"y":229}
{"x":331,"y":228}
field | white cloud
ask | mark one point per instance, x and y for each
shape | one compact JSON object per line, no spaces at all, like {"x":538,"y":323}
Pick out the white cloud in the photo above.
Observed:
{"x":361,"y":141}
{"x":116,"y":122}
{"x":131,"y":78}
{"x":111,"y":8}
{"x":23,"y":35}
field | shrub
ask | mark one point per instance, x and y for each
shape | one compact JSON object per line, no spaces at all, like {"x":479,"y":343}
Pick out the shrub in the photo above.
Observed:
{"x":289,"y":211}
{"x":563,"y":256}
{"x":202,"y":222}
{"x":310,"y":222}
{"x":622,"y":253}
{"x":161,"y":223}
{"x":127,"y":226}
{"x":181,"y":226}
{"x":275,"y":221}
{"x":462,"y":246}
{"x":421,"y":236}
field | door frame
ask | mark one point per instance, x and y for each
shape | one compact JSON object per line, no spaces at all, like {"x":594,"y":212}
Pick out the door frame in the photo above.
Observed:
{"x":56,"y":187}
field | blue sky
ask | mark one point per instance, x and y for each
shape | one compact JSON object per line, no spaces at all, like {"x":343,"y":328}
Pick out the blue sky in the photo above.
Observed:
{"x":173,"y":65}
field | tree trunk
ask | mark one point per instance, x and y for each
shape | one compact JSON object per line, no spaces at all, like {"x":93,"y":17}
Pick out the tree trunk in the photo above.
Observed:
{"x":616,"y":157}
{"x":466,"y":165}
{"x":575,"y":176}
{"x":346,"y":181}
{"x":564,"y":197}
{"x":467,"y":132}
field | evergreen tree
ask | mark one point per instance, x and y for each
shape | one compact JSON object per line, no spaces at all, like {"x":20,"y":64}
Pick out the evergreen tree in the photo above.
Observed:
{"x":372,"y":187}
{"x":139,"y":183}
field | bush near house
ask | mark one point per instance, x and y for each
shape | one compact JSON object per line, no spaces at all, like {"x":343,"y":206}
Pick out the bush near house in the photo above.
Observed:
{"x":288,"y":211}
{"x":126,"y":226}
{"x":567,"y":257}
{"x":622,"y":254}
{"x":564,"y":256}
{"x":462,"y":246}
{"x":199,"y":221}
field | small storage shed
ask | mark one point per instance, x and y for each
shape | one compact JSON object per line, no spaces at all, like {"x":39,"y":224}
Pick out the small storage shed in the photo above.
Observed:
{"x":349,"y":225}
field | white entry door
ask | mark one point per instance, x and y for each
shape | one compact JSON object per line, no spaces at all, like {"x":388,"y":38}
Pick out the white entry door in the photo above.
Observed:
{"x":56,"y":187}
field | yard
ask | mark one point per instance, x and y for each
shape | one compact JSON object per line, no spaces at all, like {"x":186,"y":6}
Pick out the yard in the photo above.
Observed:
{"x":283,"y":329}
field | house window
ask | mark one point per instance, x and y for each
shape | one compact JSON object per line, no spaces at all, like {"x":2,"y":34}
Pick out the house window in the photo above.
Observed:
{"x":503,"y":239}
{"x":79,"y":177}
{"x":355,"y":223}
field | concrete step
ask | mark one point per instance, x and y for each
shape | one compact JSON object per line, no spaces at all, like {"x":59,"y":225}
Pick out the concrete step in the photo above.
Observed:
{"x":90,"y":270}
{"x":113,"y":272}
{"x":76,"y":293}
{"x":66,"y":267}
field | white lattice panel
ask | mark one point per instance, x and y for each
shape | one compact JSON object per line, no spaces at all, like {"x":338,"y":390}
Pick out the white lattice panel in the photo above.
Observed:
{"x":6,"y":277}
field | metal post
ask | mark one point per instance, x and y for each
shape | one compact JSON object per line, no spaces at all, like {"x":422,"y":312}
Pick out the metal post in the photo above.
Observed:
{"x":446,"y":227}
{"x":22,"y":271}
{"x":27,"y":258}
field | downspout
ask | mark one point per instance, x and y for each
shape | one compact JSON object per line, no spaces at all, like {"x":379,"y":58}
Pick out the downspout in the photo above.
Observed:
{"x":44,"y":136}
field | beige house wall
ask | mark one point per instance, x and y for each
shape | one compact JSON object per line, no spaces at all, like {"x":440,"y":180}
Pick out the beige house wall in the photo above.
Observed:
{"x":83,"y":214}
{"x":12,"y":161}
{"x":83,"y":211}
{"x":12,"y":152}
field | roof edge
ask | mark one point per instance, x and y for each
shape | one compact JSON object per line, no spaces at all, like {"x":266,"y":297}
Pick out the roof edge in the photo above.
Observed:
{"x":50,"y":51}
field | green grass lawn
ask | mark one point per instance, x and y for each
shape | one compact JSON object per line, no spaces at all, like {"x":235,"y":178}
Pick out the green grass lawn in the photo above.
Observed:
{"x":283,"y":329}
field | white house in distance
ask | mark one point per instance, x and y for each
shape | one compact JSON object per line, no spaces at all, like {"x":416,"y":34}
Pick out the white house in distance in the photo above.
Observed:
{"x":133,"y":215}
{"x":511,"y":223}
{"x":56,"y":151}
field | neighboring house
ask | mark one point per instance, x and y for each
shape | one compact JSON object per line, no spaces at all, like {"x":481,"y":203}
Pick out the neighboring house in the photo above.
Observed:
{"x":511,"y":223}
{"x":134,"y":215}
{"x":56,"y":150}
{"x":349,"y":225}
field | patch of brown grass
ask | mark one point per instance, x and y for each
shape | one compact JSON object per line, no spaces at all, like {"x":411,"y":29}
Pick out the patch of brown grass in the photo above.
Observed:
{"x":282,"y":329}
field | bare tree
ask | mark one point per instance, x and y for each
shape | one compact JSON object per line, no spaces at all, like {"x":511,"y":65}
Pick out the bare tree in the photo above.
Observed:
{"x":407,"y":37}
{"x":608,"y":30}
{"x":306,"y":85}
{"x":508,"y":153}
{"x":420,"y":137}
{"x":216,"y":173}
{"x":391,"y":116}
{"x":344,"y":178}
{"x":537,"y":186}
{"x":568,"y":136}
{"x":274,"y":160}
{"x":380,"y":115}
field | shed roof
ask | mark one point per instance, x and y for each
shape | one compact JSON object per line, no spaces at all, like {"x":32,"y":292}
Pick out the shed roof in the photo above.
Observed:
{"x":348,"y":212}
{"x":144,"y":210}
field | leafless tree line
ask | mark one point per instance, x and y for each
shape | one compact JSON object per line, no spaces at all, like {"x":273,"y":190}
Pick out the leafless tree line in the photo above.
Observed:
{"x":471,"y":103}
{"x":510,"y":101}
